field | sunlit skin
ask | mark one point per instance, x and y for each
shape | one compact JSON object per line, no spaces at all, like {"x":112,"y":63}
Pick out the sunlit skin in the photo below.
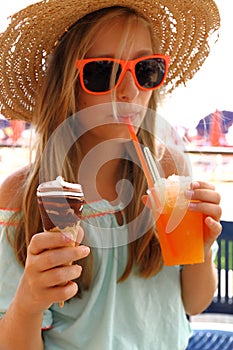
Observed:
{"x":106,"y":43}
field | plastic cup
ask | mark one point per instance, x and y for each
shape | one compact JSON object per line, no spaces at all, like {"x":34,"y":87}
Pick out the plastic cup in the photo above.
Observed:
{"x":180,"y":230}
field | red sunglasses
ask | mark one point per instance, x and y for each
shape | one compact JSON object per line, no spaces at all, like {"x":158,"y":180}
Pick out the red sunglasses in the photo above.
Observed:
{"x":99,"y":76}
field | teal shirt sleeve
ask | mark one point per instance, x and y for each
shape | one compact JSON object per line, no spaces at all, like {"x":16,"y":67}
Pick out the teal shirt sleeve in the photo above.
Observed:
{"x":10,"y":270}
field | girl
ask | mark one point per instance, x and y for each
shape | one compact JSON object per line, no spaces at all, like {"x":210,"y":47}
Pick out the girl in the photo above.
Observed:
{"x":108,"y":62}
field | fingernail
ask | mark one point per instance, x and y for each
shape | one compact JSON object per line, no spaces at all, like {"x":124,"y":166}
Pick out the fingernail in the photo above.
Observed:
{"x":192,"y":205}
{"x":195,"y":184}
{"x":68,"y":236}
{"x":209,"y":220}
{"x":79,"y":237}
{"x":85,"y":249}
{"x":189,"y":194}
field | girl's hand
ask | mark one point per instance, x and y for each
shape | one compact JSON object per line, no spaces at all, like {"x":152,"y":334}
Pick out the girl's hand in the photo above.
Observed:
{"x":208,"y":204}
{"x":47,"y":269}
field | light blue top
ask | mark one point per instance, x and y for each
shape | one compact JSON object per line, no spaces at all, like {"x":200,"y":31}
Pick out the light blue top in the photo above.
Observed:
{"x":138,"y":314}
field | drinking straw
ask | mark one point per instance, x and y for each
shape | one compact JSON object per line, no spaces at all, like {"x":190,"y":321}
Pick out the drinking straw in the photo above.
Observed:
{"x":152,"y":165}
{"x":142,"y":159}
{"x":153,"y":170}
{"x":157,"y":178}
{"x":139,"y":153}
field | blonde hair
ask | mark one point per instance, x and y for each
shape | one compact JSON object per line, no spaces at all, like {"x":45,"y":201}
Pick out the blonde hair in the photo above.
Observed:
{"x":56,"y":102}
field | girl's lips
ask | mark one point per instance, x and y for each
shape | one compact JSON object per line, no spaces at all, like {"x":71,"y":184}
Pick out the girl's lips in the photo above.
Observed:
{"x":125,"y":119}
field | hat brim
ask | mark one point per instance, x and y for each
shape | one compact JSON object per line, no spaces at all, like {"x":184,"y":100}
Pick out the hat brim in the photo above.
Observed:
{"x":182,"y":27}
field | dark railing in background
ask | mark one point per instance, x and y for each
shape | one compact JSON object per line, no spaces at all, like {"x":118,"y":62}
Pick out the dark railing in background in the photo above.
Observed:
{"x":216,"y":338}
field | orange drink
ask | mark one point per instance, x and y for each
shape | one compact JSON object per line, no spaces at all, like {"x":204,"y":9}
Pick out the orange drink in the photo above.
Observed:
{"x":180,"y":230}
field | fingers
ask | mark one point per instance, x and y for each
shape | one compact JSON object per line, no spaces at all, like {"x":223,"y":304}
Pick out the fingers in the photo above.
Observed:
{"x":51,"y":240}
{"x":64,"y":292}
{"x":201,"y":184}
{"x":60,"y":275}
{"x":52,"y":258}
{"x":48,"y":250}
{"x":208,"y":209}
{"x":80,"y":236}
{"x":49,"y":272}
{"x":146,"y":201}
{"x":205,"y":199}
{"x":50,"y":295}
{"x":204,"y":195}
{"x":211,"y":232}
{"x":214,"y":227}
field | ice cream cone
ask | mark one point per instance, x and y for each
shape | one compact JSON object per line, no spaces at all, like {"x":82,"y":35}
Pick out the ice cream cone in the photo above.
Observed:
{"x":60,"y":204}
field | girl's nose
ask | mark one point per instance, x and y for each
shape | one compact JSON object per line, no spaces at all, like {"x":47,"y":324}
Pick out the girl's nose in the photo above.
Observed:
{"x":127,"y":90}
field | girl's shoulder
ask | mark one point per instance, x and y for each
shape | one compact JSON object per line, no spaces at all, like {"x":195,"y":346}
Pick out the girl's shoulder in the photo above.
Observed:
{"x":11,"y":190}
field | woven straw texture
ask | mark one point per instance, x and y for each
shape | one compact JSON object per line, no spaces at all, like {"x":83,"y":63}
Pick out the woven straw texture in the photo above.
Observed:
{"x":182,"y":26}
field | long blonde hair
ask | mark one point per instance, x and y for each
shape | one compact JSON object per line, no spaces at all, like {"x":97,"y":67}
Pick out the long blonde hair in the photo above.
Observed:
{"x":56,"y":102}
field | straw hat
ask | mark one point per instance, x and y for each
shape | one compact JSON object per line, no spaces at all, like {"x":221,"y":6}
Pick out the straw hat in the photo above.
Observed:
{"x":182,"y":26}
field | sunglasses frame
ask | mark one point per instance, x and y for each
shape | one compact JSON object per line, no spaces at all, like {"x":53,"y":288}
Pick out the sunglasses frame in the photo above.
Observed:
{"x":126,"y":65}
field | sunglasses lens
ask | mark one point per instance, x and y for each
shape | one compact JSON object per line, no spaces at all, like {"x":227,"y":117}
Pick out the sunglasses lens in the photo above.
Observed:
{"x":101,"y":76}
{"x":97,"y":75}
{"x":150,"y":72}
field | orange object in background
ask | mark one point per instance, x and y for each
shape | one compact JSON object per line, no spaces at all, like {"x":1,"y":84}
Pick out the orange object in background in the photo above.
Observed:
{"x":17,"y":127}
{"x":216,"y":129}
